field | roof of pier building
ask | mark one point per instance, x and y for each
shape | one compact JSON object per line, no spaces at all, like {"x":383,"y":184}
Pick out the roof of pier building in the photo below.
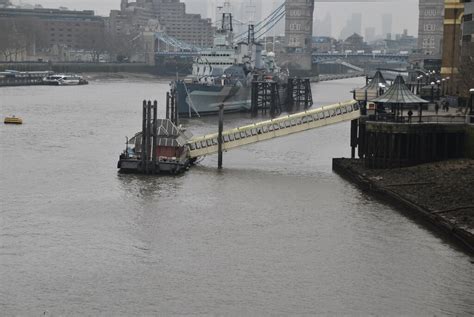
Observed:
{"x":371,"y":90}
{"x":399,"y":93}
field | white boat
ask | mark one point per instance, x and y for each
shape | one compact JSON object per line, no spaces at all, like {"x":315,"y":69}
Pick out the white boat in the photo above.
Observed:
{"x":64,"y":80}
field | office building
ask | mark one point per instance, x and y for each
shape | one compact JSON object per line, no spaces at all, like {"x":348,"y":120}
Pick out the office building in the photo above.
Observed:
{"x":61,"y":28}
{"x":369,"y":34}
{"x":172,"y":17}
{"x":387,"y":22}
{"x":323,"y":27}
{"x":353,"y":25}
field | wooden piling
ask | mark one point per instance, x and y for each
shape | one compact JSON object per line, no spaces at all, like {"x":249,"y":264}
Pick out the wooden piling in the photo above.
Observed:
{"x":155,"y":135}
{"x":354,"y":138}
{"x":144,"y":140}
{"x":176,"y":110}
{"x":168,"y":97}
{"x":148,"y":137}
{"x":220,"y":140}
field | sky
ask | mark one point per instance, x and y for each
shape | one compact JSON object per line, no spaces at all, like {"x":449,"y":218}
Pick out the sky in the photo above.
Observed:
{"x":405,"y":12}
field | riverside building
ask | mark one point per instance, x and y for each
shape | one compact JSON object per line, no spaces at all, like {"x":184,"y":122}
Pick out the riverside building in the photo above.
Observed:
{"x":467,"y":50}
{"x":51,"y":30}
{"x":172,"y":17}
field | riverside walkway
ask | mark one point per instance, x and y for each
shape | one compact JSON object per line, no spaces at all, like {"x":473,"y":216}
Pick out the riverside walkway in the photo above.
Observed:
{"x":271,"y":129}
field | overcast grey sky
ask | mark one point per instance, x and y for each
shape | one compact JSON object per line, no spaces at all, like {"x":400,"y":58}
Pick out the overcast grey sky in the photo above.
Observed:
{"x":405,"y":12}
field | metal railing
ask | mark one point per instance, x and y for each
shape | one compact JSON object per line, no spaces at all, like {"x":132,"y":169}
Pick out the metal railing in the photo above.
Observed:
{"x":424,"y":119}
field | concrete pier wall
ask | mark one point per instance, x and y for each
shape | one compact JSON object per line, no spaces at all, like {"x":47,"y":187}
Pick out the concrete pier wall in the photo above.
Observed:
{"x":469,"y":143}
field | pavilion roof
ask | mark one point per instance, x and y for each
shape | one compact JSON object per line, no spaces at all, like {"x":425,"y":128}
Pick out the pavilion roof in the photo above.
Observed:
{"x":371,"y":90}
{"x":399,"y":93}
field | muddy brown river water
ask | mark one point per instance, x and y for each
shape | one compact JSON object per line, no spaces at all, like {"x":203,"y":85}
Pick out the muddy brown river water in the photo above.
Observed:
{"x":275,"y":233}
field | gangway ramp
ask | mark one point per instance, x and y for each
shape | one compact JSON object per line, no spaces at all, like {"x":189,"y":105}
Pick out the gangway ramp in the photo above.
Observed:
{"x":271,"y":129}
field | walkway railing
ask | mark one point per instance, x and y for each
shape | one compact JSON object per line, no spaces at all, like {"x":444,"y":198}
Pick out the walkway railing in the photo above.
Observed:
{"x":279,"y":127}
{"x":460,"y":119}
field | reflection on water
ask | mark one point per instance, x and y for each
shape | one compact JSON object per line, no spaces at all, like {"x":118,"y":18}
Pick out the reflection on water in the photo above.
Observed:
{"x":275,"y":232}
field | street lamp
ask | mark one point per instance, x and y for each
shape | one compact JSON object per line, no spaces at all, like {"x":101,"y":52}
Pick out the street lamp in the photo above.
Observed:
{"x":432,"y":90}
{"x":448,"y":90}
{"x":443,"y":86}
{"x":471,"y":110}
{"x":417,"y":84}
{"x":438,"y":85}
{"x":381,"y":89}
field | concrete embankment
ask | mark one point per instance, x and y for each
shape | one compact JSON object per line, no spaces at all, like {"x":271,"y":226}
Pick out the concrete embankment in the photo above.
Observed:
{"x":82,"y":67}
{"x":441,"y":193}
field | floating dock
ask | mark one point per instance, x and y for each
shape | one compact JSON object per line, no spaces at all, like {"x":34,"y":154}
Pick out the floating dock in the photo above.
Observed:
{"x":163,"y":147}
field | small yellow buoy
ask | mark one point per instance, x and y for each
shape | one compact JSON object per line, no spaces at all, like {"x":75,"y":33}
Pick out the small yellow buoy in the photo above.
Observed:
{"x":13,"y":120}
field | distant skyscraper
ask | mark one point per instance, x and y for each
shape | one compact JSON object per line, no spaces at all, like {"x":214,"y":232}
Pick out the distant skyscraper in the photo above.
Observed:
{"x":197,"y":7}
{"x":387,"y":21}
{"x":369,"y":34}
{"x":323,"y":27}
{"x":211,"y":9}
{"x":430,"y":29}
{"x":353,"y":25}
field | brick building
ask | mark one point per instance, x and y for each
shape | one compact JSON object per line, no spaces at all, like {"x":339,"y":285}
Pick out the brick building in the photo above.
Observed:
{"x":171,"y":15}
{"x":56,"y":28}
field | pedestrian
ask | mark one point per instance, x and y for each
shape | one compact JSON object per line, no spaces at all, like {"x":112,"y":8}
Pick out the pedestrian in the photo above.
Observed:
{"x":410,"y":114}
{"x":436,"y":108}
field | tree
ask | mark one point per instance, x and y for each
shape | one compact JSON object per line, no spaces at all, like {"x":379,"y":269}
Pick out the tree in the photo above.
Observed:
{"x":466,"y":78}
{"x":19,"y":36}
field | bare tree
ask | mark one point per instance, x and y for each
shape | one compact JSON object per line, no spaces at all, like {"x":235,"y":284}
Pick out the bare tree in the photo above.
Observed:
{"x":19,"y":36}
{"x":466,"y":78}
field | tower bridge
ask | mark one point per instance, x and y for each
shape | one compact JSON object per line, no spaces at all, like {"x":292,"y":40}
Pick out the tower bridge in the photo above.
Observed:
{"x":298,"y":35}
{"x":297,"y":56}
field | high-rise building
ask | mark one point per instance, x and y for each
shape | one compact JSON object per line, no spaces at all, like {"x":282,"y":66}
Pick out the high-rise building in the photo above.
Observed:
{"x":323,"y":27}
{"x":387,"y":22}
{"x":430,"y":29}
{"x":370,"y":34}
{"x":171,"y":15}
{"x":353,"y":25}
{"x":197,"y":7}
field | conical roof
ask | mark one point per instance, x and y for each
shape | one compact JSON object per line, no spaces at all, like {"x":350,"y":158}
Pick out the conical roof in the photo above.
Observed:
{"x":399,"y":93}
{"x":372,"y":88}
{"x":376,"y":81}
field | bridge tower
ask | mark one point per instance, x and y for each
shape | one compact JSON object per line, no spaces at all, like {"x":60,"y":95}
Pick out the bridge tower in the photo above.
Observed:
{"x":299,"y":33}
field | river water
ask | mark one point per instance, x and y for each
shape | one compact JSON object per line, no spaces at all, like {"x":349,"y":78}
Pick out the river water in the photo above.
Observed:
{"x":275,"y":233}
